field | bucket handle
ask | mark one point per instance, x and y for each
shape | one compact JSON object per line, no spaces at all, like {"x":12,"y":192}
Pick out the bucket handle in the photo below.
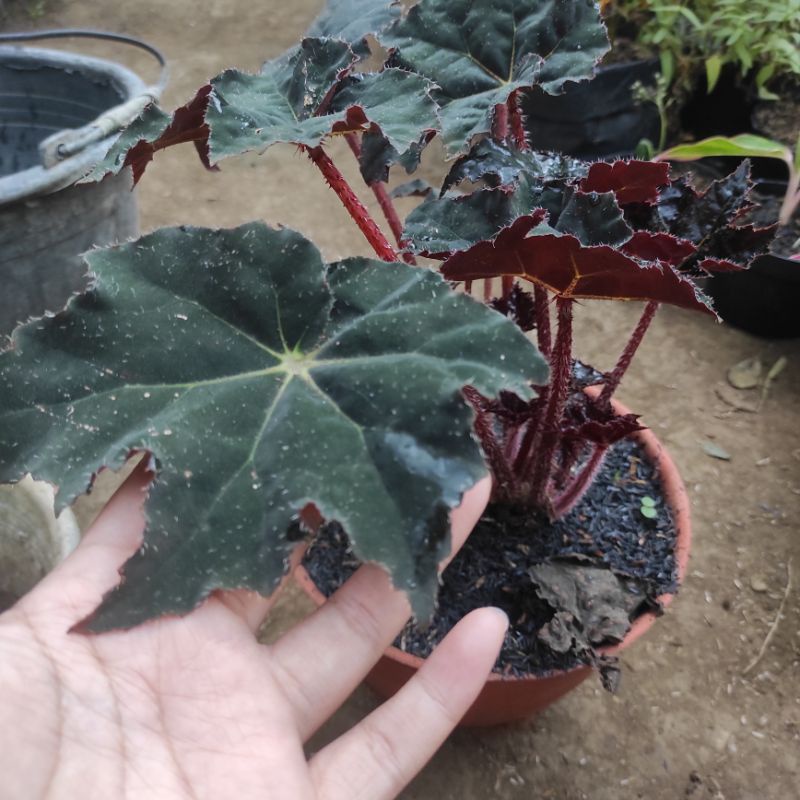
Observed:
{"x":67,"y":143}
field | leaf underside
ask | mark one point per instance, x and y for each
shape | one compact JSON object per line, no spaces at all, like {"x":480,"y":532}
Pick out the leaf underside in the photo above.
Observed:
{"x":261,"y":380}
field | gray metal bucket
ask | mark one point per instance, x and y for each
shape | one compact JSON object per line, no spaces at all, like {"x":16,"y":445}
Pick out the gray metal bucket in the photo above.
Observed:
{"x":45,"y":222}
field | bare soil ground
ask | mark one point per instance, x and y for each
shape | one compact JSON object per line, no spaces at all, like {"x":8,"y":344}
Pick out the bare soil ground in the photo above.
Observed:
{"x":686,"y":723}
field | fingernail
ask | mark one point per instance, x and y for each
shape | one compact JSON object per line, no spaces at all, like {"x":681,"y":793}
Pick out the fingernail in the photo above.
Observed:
{"x":500,"y":613}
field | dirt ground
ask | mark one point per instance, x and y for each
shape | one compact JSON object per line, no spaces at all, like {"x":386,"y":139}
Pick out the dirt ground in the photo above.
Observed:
{"x":686,"y":723}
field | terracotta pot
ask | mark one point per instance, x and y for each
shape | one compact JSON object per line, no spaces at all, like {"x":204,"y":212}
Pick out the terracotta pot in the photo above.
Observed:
{"x":507,"y":699}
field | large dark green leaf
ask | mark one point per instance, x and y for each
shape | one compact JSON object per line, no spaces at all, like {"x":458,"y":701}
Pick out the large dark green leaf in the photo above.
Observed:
{"x":301,"y":97}
{"x":443,"y":225}
{"x":501,"y":164}
{"x":530,"y":180}
{"x":279,"y":104}
{"x":261,"y":380}
{"x":480,"y":51}
{"x":447,"y":224}
{"x":352,"y":20}
{"x":378,"y":155}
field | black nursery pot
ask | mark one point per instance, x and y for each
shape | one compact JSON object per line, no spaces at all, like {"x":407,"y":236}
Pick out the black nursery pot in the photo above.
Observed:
{"x":724,"y":111}
{"x":594,"y":119}
{"x":764,"y":300}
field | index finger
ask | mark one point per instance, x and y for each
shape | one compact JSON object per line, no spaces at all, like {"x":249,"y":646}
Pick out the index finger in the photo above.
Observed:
{"x":320,"y":661}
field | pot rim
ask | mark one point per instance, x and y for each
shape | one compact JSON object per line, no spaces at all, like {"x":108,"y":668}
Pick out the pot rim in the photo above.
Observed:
{"x":39,"y":180}
{"x":674,"y":492}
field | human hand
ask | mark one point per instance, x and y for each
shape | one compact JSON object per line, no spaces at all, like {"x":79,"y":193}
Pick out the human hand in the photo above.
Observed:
{"x":195,"y":707}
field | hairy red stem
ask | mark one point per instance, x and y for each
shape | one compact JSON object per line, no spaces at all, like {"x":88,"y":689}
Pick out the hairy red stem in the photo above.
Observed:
{"x":542,"y":313}
{"x":615,"y":376}
{"x":384,"y":201}
{"x":501,"y":468}
{"x":500,"y":123}
{"x":373,"y":234}
{"x":577,"y":487}
{"x":517,"y":126}
{"x":532,"y":436}
{"x":561,"y":372}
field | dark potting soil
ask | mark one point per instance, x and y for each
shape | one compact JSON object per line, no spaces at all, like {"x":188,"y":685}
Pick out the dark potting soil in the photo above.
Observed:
{"x":606,"y":530}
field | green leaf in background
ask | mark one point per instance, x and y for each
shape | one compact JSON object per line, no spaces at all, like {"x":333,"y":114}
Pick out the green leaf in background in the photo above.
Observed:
{"x":480,"y":51}
{"x":743,"y":146}
{"x":261,"y":380}
{"x":713,"y":69}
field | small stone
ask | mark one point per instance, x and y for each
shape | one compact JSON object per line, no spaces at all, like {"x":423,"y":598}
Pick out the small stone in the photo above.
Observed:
{"x":758,"y":584}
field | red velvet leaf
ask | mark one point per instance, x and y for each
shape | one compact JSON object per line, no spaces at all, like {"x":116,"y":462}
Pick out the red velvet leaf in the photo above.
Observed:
{"x":605,"y":432}
{"x":355,"y":120}
{"x":631,"y":181}
{"x":650,"y":246}
{"x":519,"y":306}
{"x":585,"y":420}
{"x":570,"y":270}
{"x":188,"y":125}
{"x":720,"y":265}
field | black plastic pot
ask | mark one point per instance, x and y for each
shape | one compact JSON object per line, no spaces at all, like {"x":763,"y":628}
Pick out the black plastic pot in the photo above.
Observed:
{"x":595,"y":119}
{"x":725,"y":111}
{"x":763,"y":300}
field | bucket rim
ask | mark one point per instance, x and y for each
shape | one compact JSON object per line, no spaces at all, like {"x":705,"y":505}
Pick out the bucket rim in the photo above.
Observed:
{"x":38,"y":180}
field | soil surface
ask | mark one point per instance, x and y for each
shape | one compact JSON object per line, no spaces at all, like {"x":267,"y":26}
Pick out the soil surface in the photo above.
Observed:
{"x":689,"y":720}
{"x":498,"y":567}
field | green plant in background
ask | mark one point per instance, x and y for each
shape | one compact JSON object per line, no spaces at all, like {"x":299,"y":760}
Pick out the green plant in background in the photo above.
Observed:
{"x":754,"y":35}
{"x":659,"y":95}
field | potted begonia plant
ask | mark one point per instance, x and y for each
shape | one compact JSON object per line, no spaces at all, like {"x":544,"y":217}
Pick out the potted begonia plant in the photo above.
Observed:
{"x":276,"y":392}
